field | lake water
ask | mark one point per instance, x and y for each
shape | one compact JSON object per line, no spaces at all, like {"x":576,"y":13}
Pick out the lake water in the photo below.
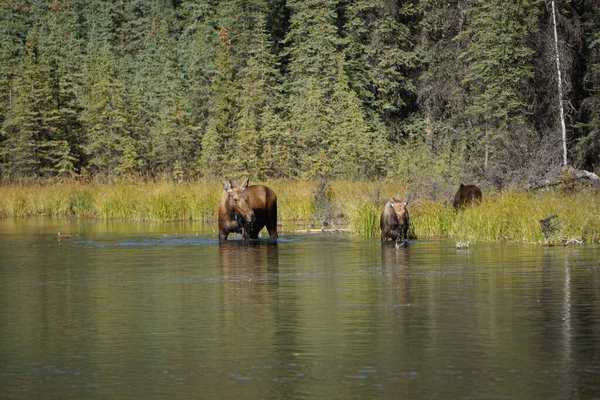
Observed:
{"x":154,"y":311}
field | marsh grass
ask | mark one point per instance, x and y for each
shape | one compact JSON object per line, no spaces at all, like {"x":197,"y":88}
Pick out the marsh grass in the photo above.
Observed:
{"x":295,"y":199}
{"x":508,"y":216}
{"x":364,"y":218}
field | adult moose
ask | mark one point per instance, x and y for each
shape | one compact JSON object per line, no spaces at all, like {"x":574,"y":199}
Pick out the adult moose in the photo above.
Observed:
{"x":394,"y":220}
{"x":246,"y":210}
{"x":465,"y":195}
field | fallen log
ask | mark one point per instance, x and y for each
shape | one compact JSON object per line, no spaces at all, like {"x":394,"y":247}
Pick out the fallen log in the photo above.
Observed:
{"x":558,"y":175}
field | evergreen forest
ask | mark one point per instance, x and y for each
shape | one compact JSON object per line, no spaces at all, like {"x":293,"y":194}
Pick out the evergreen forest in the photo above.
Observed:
{"x":442,"y":90}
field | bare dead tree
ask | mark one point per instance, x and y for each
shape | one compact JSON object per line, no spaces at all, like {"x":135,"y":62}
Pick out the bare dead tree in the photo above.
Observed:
{"x":560,"y":89}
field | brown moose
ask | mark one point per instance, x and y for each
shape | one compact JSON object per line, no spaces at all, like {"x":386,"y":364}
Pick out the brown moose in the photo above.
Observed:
{"x":246,"y":210}
{"x":394,"y":221}
{"x":465,"y":195}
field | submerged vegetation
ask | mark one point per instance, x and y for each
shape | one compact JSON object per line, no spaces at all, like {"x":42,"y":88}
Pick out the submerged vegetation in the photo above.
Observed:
{"x":356,"y":206}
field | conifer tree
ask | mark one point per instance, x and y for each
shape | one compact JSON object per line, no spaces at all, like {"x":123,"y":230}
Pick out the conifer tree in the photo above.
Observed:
{"x":198,"y":47}
{"x":30,"y":123}
{"x":587,"y":147}
{"x":258,"y":102}
{"x":499,"y":66}
{"x":108,"y":144}
{"x":217,"y":143}
{"x":62,"y":43}
{"x":360,"y":145}
{"x":313,"y":43}
{"x":442,"y":98}
{"x":158,"y":99}
{"x":381,"y":56}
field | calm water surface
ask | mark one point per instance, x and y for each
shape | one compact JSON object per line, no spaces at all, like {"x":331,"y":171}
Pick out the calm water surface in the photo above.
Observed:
{"x":149,"y":311}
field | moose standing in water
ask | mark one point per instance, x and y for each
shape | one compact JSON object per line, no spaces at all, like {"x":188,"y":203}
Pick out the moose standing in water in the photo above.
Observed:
{"x":394,"y":221}
{"x":246,"y":210}
{"x":465,"y":195}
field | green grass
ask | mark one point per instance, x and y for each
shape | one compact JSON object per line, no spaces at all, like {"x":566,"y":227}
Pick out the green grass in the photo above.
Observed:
{"x":508,"y":216}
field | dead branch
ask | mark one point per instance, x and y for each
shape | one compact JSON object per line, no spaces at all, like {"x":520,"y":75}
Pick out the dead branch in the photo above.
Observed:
{"x":557,"y":177}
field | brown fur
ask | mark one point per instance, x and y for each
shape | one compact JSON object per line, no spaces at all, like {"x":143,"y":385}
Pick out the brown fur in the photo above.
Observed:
{"x":465,"y":195}
{"x":246,"y":210}
{"x":394,"y":221}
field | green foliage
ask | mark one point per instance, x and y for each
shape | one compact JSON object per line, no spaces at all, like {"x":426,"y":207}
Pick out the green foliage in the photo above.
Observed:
{"x":218,"y":146}
{"x":381,"y":55}
{"x":364,"y":218}
{"x":499,"y":63}
{"x":290,"y":89}
{"x":109,"y":144}
{"x":587,"y":147}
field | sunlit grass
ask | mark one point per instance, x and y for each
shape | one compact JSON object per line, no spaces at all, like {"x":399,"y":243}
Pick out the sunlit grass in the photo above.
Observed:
{"x":508,"y":216}
{"x":364,"y":218}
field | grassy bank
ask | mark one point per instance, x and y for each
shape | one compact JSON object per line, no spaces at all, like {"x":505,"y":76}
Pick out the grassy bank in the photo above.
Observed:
{"x":507,"y":216}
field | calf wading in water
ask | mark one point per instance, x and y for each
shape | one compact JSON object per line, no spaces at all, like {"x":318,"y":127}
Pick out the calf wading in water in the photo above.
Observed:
{"x":246,"y":210}
{"x":465,"y":195}
{"x":394,"y":221}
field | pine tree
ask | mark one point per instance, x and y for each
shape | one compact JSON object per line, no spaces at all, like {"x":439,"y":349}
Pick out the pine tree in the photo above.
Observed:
{"x":62,"y":40}
{"x":43,"y":109}
{"x":108,"y":143}
{"x":158,"y":100}
{"x":14,"y":25}
{"x":259,"y":101}
{"x":360,"y":145}
{"x":499,"y":66}
{"x":382,"y":58}
{"x":313,"y":44}
{"x":442,"y":97}
{"x":218,"y":146}
{"x":198,"y":47}
{"x":587,"y":147}
{"x":30,"y":123}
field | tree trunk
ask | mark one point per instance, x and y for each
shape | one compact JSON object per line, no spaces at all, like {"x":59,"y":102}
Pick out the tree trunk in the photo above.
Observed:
{"x":556,"y":177}
{"x":560,"y":90}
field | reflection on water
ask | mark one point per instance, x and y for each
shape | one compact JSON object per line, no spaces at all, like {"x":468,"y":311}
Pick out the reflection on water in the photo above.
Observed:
{"x":167,"y":311}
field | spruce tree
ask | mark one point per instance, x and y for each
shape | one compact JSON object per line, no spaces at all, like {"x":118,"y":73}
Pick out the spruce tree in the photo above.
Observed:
{"x":218,"y":146}
{"x":30,"y":123}
{"x":442,"y":98}
{"x":158,"y":99}
{"x":382,"y":57}
{"x":258,"y":127}
{"x":313,"y":43}
{"x":499,"y":67}
{"x":587,"y":148}
{"x":360,"y":144}
{"x":108,"y":143}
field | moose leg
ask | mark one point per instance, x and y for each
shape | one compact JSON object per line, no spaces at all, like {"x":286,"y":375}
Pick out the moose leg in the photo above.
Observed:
{"x":272,"y":228}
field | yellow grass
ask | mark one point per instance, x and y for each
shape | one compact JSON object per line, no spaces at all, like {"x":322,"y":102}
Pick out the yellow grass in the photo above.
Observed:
{"x":507,"y":216}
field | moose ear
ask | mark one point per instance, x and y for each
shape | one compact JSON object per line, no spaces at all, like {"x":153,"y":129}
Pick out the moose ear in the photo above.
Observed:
{"x":245,"y":184}
{"x":405,"y":203}
{"x":227,"y":186}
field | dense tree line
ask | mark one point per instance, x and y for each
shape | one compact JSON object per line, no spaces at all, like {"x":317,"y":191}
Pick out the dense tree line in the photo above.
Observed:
{"x":295,"y":88}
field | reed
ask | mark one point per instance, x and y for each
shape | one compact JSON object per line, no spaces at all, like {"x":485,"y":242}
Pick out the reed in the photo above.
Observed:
{"x":507,"y":216}
{"x":295,"y":199}
{"x":364,"y":218}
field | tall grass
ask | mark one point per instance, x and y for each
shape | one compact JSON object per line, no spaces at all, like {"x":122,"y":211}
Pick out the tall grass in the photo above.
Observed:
{"x":364,"y":218}
{"x":507,"y":216}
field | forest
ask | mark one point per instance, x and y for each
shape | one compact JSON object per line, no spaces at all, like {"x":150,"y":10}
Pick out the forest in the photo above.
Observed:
{"x":413,"y":90}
